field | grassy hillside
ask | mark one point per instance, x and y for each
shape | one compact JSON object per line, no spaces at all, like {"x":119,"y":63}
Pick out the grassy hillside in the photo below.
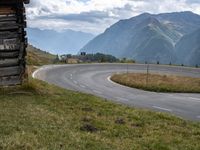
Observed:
{"x":41,"y":116}
{"x":38,"y":57}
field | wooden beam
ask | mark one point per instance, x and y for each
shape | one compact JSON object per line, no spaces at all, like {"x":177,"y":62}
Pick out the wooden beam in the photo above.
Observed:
{"x":9,"y":44}
{"x":6,"y":48}
{"x":9,"y":34}
{"x":8,"y":18}
{"x":11,"y":2}
{"x":9,"y":81}
{"x":11,"y":54}
{"x":11,"y":25}
{"x":9,"y":62}
{"x":9,"y":41}
{"x":10,"y":71}
{"x":6,"y":10}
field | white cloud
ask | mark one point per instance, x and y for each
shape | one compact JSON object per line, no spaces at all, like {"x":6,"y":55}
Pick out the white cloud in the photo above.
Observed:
{"x":96,"y":15}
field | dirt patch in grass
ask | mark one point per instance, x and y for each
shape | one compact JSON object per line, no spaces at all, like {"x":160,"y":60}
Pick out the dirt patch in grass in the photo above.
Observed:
{"x":120,"y":121}
{"x":89,"y":128}
{"x":159,"y":83}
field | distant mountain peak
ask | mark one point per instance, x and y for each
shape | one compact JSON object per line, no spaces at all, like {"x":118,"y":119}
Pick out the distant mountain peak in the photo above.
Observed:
{"x":144,"y":14}
{"x":151,"y":21}
{"x":187,"y":12}
{"x":146,"y":37}
{"x":141,"y":16}
{"x":179,"y":13}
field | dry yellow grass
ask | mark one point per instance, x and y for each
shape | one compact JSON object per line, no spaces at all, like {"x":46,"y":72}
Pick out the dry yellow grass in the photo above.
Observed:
{"x":159,"y":83}
{"x":38,"y":57}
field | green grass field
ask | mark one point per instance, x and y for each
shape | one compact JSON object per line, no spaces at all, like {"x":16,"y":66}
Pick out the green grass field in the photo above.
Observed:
{"x":38,"y":116}
{"x":159,"y":83}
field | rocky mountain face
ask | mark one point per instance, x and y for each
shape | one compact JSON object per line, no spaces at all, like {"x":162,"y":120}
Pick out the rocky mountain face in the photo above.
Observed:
{"x":188,"y":49}
{"x":167,"y":38}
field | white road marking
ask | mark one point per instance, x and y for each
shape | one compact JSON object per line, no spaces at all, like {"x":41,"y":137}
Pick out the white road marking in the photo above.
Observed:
{"x":109,"y":79}
{"x":184,"y":98}
{"x":173,"y":96}
{"x":71,"y":76}
{"x":35,"y":72}
{"x":98,"y":92}
{"x":75,"y":82}
{"x":122,"y":99}
{"x":83,"y":86}
{"x":165,"y":109}
{"x":197,"y":99}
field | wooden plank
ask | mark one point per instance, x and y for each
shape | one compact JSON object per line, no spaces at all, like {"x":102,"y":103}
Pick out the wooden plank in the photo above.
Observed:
{"x":6,"y":10}
{"x":9,"y":44}
{"x":7,"y":15}
{"x":18,"y":10}
{"x":6,"y":24}
{"x":9,"y":41}
{"x":22,"y":52}
{"x":6,"y":48}
{"x":9,"y":81}
{"x":9,"y":34}
{"x":11,"y":2}
{"x":8,"y":18}
{"x":9,"y":27}
{"x":11,"y":54}
{"x":11,"y":71}
{"x":9,"y":62}
{"x":14,"y":26}
{"x":12,"y":22}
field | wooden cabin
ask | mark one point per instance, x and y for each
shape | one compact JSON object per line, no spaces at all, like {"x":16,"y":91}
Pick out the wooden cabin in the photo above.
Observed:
{"x":13,"y":42}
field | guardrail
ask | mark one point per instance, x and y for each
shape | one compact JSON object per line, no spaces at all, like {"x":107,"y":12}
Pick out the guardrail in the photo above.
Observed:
{"x":13,"y":41}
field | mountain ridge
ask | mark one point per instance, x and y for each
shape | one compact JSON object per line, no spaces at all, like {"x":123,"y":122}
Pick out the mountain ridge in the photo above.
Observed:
{"x":146,"y":37}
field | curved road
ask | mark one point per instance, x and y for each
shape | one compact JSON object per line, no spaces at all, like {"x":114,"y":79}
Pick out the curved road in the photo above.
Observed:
{"x":94,"y":79}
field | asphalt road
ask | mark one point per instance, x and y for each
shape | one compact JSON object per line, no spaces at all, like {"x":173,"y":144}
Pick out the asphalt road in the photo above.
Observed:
{"x":94,"y":79}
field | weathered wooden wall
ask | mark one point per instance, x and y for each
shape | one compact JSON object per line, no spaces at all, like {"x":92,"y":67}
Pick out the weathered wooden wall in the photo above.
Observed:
{"x":13,"y":42}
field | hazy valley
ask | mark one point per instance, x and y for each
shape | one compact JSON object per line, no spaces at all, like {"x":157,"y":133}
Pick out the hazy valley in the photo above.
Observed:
{"x":62,"y":42}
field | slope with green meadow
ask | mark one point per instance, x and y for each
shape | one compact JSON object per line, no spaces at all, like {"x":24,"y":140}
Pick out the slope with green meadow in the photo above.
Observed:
{"x":42,"y":116}
{"x":38,"y":116}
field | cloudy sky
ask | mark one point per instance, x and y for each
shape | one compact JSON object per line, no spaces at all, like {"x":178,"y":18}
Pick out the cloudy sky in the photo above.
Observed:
{"x":94,"y":16}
